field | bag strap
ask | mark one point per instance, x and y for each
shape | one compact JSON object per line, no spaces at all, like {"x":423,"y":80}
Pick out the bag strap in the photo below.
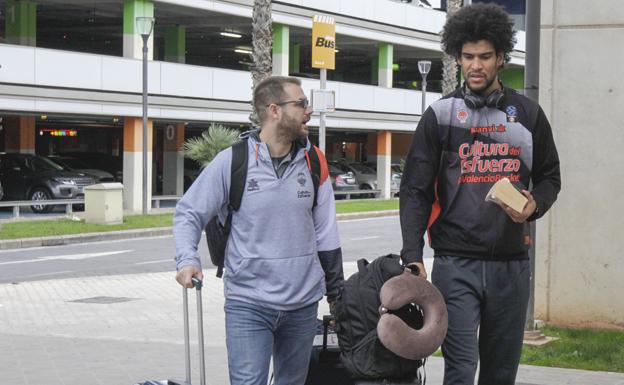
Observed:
{"x":317,"y":164}
{"x":238,"y":177}
{"x":238,"y":174}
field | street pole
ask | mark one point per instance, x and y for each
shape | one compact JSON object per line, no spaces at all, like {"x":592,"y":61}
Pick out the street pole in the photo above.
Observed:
{"x":144,"y":27}
{"x":322,"y":117}
{"x":424,"y":95}
{"x":531,"y":90}
{"x":145,"y":37}
{"x":424,"y":66}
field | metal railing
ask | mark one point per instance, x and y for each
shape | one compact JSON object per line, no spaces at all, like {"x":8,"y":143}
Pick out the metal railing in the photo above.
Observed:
{"x":374,"y":193}
{"x":156,"y":199}
{"x":347,"y":193}
{"x":48,"y":202}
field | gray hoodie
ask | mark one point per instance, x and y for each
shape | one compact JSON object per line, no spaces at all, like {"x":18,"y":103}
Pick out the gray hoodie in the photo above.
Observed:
{"x":281,"y":253}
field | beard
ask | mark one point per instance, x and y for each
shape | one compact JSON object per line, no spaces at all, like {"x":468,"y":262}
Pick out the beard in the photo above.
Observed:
{"x":481,"y":89}
{"x":289,"y":129}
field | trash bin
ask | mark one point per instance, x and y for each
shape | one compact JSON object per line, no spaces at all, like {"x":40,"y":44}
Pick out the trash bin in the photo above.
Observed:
{"x":104,"y":203}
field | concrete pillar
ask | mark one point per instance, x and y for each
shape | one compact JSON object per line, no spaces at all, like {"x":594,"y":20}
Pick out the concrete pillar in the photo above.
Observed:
{"x":294,"y":58}
{"x":384,"y":159}
{"x":175,"y":44}
{"x":132,"y":41}
{"x":173,"y":160}
{"x":280,"y":49}
{"x":21,"y":22}
{"x":579,"y":242}
{"x":385,"y":64}
{"x":133,"y":164}
{"x":19,"y":134}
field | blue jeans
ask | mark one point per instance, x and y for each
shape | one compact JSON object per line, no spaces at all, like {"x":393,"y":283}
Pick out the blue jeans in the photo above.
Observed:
{"x":254,"y":333}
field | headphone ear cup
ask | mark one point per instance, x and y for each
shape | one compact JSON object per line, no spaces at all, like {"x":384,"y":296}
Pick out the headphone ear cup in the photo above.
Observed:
{"x":494,"y":100}
{"x":473,"y":101}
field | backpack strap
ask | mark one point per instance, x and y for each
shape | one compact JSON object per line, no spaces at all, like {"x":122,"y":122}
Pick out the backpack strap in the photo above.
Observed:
{"x":238,"y":174}
{"x":238,"y":177}
{"x":317,"y":164}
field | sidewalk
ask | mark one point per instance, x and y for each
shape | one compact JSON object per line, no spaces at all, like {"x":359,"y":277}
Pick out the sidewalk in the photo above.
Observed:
{"x":128,"y":328}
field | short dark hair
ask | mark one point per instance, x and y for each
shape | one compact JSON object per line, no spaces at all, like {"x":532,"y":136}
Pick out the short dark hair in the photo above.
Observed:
{"x":270,"y":90}
{"x":477,"y":22}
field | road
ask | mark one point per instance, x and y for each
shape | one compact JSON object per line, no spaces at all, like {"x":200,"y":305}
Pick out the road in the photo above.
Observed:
{"x":361,"y":238}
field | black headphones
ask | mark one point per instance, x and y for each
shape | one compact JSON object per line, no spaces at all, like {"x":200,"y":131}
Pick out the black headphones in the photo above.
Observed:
{"x":474,"y":101}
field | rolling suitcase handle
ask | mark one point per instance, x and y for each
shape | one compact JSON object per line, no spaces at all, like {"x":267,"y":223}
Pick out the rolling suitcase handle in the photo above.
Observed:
{"x":327,"y":319}
{"x":197,"y":284}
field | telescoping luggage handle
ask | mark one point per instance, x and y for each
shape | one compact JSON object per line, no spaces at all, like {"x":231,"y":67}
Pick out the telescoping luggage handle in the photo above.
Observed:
{"x":197,"y":284}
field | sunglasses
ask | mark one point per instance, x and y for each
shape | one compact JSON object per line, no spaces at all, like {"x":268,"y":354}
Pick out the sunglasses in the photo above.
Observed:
{"x":303,"y":103}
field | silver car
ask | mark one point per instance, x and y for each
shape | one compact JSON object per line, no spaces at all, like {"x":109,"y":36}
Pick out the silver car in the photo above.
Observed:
{"x":78,"y":165}
{"x":341,"y":180}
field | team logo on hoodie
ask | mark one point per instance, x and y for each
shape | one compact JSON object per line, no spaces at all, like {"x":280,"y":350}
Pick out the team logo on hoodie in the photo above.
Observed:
{"x":462,"y":115}
{"x":252,"y":185}
{"x":301,"y":178}
{"x":512,"y":114}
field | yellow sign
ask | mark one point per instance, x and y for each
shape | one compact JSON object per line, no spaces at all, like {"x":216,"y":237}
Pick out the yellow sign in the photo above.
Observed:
{"x":324,"y":42}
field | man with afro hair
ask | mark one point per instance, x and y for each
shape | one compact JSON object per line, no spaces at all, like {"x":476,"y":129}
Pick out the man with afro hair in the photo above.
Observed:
{"x":464,"y":143}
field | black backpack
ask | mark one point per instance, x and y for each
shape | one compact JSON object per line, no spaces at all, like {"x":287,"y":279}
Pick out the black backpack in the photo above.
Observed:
{"x":357,"y":314}
{"x":217,"y":233}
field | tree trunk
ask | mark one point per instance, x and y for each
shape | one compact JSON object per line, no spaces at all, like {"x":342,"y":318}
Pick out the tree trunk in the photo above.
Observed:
{"x":449,"y":63}
{"x":262,"y":40}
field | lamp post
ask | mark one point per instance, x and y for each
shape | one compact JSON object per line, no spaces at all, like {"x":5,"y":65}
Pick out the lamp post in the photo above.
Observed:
{"x":144,"y":27}
{"x":424,"y":66}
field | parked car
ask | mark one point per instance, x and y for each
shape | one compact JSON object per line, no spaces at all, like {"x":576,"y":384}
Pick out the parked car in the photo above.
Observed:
{"x":96,"y":160}
{"x":341,"y":181}
{"x":74,"y":164}
{"x":365,"y":176}
{"x":395,"y":177}
{"x":397,"y":174}
{"x":33,"y":177}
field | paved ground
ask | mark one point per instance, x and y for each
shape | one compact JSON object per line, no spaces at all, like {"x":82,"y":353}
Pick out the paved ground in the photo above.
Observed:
{"x":128,"y":328}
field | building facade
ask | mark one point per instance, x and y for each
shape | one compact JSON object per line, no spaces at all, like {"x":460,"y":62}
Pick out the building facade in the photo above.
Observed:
{"x":71,"y":78}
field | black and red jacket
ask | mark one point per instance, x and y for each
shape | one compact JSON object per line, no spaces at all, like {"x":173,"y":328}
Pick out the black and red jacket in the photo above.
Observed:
{"x":456,"y":155}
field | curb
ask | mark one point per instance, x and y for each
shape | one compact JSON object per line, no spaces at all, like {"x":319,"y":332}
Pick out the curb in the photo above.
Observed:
{"x":83,"y":238}
{"x":70,"y":239}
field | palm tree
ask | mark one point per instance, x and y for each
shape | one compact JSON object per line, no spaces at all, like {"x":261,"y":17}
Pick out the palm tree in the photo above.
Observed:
{"x":212,"y":141}
{"x":449,"y":64}
{"x":262,"y":41}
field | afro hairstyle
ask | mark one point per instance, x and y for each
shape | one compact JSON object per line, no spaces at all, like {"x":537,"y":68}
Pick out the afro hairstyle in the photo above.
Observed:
{"x":477,"y":22}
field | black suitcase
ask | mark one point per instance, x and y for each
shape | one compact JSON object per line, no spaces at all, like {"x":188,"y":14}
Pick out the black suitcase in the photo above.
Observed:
{"x":197,"y":284}
{"x":326,"y":367}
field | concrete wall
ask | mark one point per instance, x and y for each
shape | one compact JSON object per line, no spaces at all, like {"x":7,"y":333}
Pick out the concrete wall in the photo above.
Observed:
{"x":580,"y":244}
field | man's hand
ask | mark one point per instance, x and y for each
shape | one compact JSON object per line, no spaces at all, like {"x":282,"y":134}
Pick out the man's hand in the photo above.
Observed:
{"x":422,"y":272}
{"x":332,"y":305}
{"x":332,"y":310}
{"x":528,"y":210}
{"x":186,"y":273}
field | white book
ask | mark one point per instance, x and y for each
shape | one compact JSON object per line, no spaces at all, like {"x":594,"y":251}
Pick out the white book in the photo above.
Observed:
{"x":505,"y":192}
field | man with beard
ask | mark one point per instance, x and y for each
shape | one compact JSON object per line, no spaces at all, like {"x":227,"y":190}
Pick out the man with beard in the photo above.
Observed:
{"x":464,"y":143}
{"x":283,"y":253}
